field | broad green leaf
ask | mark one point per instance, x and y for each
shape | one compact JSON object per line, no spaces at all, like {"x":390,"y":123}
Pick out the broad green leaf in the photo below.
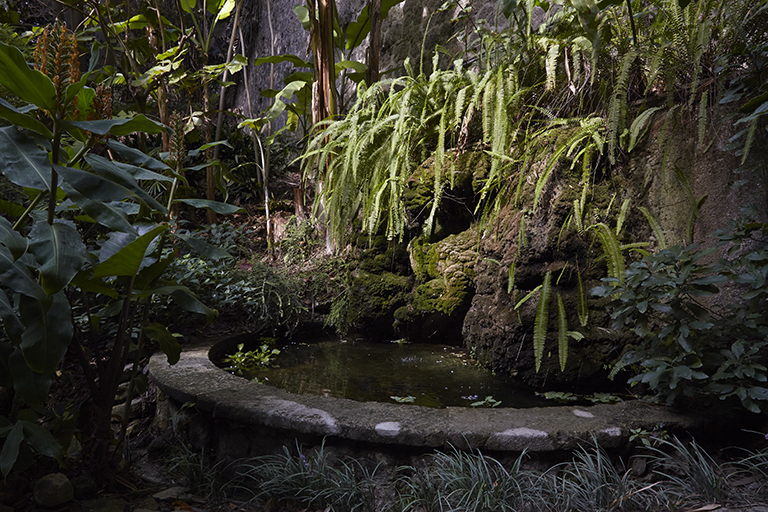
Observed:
{"x":28,"y":84}
{"x":139,"y":173}
{"x":119,"y":127}
{"x":15,"y":275}
{"x":30,"y":386}
{"x":47,"y":332}
{"x":9,"y":112}
{"x":11,"y":238}
{"x":216,"y":206}
{"x":187,"y":300}
{"x":303,"y":14}
{"x":136,"y":157}
{"x":110,"y":183}
{"x":508,"y":7}
{"x":168,"y":343}
{"x":10,"y":451}
{"x":224,"y":9}
{"x":127,"y":261}
{"x":10,"y":321}
{"x":149,"y":274}
{"x":279,"y":59}
{"x":204,"y":248}
{"x":87,"y":283}
{"x":22,"y":161}
{"x":101,"y":212}
{"x":42,"y":440}
{"x":60,"y":251}
{"x":351,"y":64}
{"x":188,"y":5}
{"x":359,"y":29}
{"x":6,"y":349}
{"x":12,"y":209}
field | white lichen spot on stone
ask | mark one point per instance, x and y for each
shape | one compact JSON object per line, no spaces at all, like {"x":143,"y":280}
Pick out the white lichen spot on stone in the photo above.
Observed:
{"x":583,"y":414}
{"x":523,"y":432}
{"x":611,"y":432}
{"x":388,"y":428}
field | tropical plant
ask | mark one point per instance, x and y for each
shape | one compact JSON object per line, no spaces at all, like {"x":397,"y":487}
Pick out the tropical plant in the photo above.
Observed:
{"x":689,"y":346}
{"x":84,"y":254}
{"x":242,"y":361}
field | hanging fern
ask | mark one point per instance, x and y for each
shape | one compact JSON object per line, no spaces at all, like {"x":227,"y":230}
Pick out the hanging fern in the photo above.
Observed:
{"x":562,"y":333}
{"x":583,"y":311}
{"x":611,"y":250}
{"x":661,"y":240}
{"x":542,"y":320}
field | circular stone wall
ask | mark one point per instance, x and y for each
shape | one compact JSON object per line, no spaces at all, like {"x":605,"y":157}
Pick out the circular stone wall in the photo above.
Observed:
{"x":227,"y":406}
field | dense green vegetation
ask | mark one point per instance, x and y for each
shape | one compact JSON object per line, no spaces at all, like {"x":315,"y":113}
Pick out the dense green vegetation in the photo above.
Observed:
{"x":109,"y":165}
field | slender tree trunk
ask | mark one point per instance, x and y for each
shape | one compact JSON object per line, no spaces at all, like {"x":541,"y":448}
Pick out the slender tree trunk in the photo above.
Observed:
{"x":374,"y":49}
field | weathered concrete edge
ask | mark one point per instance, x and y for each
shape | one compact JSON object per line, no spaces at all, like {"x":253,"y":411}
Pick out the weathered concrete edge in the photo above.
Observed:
{"x":197,"y":380}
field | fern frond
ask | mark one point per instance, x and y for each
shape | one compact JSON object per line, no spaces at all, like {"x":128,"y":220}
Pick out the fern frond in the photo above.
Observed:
{"x":583,"y":311}
{"x":542,"y":320}
{"x":640,"y":126}
{"x":562,"y":333}
{"x":655,"y":227}
{"x":703,"y":117}
{"x":692,"y":218}
{"x":622,"y":216}
{"x":612,"y":251}
{"x":511,"y":276}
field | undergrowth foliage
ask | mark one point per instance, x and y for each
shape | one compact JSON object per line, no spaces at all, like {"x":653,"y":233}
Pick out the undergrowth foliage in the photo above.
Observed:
{"x":693,"y":339}
{"x":681,"y":475}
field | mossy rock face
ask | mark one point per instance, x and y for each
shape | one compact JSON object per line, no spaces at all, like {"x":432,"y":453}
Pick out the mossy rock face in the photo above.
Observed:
{"x":446,"y":273}
{"x":461,"y":180}
{"x":373,"y":300}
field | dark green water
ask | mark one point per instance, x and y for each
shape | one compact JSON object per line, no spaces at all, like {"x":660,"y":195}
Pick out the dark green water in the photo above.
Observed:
{"x":422,"y":374}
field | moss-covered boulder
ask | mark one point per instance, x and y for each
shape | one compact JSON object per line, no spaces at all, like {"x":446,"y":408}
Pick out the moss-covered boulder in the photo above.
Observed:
{"x":373,"y":299}
{"x":445,"y":274}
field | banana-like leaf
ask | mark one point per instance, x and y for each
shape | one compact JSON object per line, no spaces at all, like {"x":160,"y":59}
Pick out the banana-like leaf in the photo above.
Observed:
{"x":10,"y":321}
{"x":12,"y":114}
{"x":15,"y":275}
{"x":127,"y":261}
{"x":87,"y":283}
{"x":216,"y":206}
{"x":542,"y":320}
{"x":10,"y":451}
{"x":12,"y":209}
{"x":28,"y":84}
{"x":30,"y":386}
{"x":41,"y":440}
{"x":188,"y":5}
{"x":47,"y":332}
{"x":22,"y":161}
{"x":204,"y":248}
{"x":360,"y":28}
{"x":138,"y":158}
{"x":139,"y":173}
{"x":168,"y":343}
{"x":279,"y":59}
{"x":148,"y":275}
{"x":115,"y":184}
{"x":118,"y":127}
{"x":60,"y":251}
{"x":221,"y":8}
{"x":6,"y":349}
{"x":102,"y":212}
{"x":562,"y":333}
{"x":11,"y":238}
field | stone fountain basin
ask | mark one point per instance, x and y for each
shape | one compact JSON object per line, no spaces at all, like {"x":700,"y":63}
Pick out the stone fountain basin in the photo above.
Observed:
{"x":236,"y":403}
